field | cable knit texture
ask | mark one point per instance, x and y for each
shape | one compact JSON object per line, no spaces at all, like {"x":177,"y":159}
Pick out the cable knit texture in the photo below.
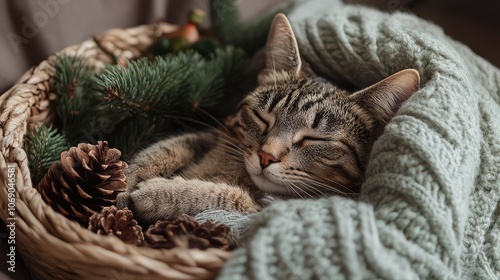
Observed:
{"x":430,"y":205}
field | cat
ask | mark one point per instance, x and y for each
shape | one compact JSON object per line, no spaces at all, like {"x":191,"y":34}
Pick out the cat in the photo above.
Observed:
{"x":295,"y":136}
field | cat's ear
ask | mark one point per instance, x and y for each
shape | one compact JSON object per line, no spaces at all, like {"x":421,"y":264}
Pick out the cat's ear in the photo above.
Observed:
{"x":383,"y":99}
{"x":282,"y":51}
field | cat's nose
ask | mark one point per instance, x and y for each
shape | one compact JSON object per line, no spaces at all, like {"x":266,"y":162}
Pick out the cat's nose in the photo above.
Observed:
{"x":266,"y":159}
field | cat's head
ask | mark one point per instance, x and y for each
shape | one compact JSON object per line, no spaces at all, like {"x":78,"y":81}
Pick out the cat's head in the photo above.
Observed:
{"x":304,"y":136}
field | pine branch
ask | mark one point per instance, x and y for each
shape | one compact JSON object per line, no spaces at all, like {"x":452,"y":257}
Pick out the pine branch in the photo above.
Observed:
{"x":43,"y":146}
{"x":207,"y":85}
{"x":144,"y":86}
{"x":176,"y":84}
{"x":77,"y":106}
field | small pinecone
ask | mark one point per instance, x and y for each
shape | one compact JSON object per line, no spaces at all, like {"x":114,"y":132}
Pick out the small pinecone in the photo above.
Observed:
{"x":120,"y":223}
{"x":185,"y":232}
{"x":88,"y":178}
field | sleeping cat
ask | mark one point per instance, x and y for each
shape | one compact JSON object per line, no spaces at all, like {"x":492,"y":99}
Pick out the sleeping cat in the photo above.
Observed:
{"x":295,"y":136}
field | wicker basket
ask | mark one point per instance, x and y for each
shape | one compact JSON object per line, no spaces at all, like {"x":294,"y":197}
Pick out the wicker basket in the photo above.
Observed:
{"x":52,"y":246}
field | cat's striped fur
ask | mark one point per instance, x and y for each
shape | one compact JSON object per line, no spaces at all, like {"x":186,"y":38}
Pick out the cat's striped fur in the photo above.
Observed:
{"x":295,"y":135}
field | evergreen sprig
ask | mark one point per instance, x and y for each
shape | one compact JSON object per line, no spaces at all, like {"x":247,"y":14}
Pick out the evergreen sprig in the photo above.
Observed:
{"x":76,"y":104}
{"x":146,"y":86}
{"x":176,"y":84}
{"x":43,"y":146}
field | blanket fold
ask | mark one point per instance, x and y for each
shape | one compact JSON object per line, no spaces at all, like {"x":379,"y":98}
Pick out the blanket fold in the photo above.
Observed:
{"x":429,"y":208}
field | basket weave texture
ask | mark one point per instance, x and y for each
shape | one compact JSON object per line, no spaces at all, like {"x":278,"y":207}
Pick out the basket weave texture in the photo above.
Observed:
{"x":52,"y":246}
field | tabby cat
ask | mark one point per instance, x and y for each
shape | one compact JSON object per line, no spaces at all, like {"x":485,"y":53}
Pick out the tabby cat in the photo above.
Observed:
{"x":295,"y":135}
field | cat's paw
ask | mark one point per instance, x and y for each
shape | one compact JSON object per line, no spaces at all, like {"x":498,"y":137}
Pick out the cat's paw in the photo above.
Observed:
{"x":122,"y":200}
{"x":135,"y":175}
{"x":132,"y":176}
{"x":160,"y":198}
{"x":152,"y":200}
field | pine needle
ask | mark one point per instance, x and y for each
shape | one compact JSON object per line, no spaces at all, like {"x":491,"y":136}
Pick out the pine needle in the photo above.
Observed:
{"x":76,"y":101}
{"x":147,"y":87}
{"x":177,"y":84}
{"x":43,"y":146}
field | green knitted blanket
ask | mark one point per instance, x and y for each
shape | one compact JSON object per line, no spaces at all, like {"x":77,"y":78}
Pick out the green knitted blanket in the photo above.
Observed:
{"x":429,"y":208}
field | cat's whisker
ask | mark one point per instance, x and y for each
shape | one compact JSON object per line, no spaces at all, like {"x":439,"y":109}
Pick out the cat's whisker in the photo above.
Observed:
{"x":235,"y":159}
{"x":305,"y":187}
{"x":232,"y":149}
{"x":223,"y":132}
{"x":214,"y":119}
{"x":293,"y":188}
{"x":312,"y":184}
{"x":339,"y":185}
{"x":288,"y":188}
{"x":299,"y":178}
{"x":188,"y":119}
{"x":231,"y":153}
{"x":302,"y":189}
{"x":298,"y":183}
{"x":227,"y":140}
{"x":335,"y":190}
{"x":231,"y":142}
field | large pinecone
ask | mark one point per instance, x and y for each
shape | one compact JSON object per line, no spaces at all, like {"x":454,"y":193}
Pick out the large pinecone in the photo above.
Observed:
{"x":88,"y":178}
{"x":120,"y":223}
{"x":185,"y":232}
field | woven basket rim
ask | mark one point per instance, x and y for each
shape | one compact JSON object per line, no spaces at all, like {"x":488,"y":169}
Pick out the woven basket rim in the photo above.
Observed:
{"x":51,"y":245}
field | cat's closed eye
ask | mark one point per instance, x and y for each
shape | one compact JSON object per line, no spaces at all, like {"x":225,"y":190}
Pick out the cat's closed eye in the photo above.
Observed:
{"x":261,"y":119}
{"x":303,"y":140}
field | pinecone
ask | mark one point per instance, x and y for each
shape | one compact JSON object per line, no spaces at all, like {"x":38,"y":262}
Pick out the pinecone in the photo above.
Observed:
{"x":87,"y":178}
{"x":185,"y":232}
{"x":120,"y":223}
